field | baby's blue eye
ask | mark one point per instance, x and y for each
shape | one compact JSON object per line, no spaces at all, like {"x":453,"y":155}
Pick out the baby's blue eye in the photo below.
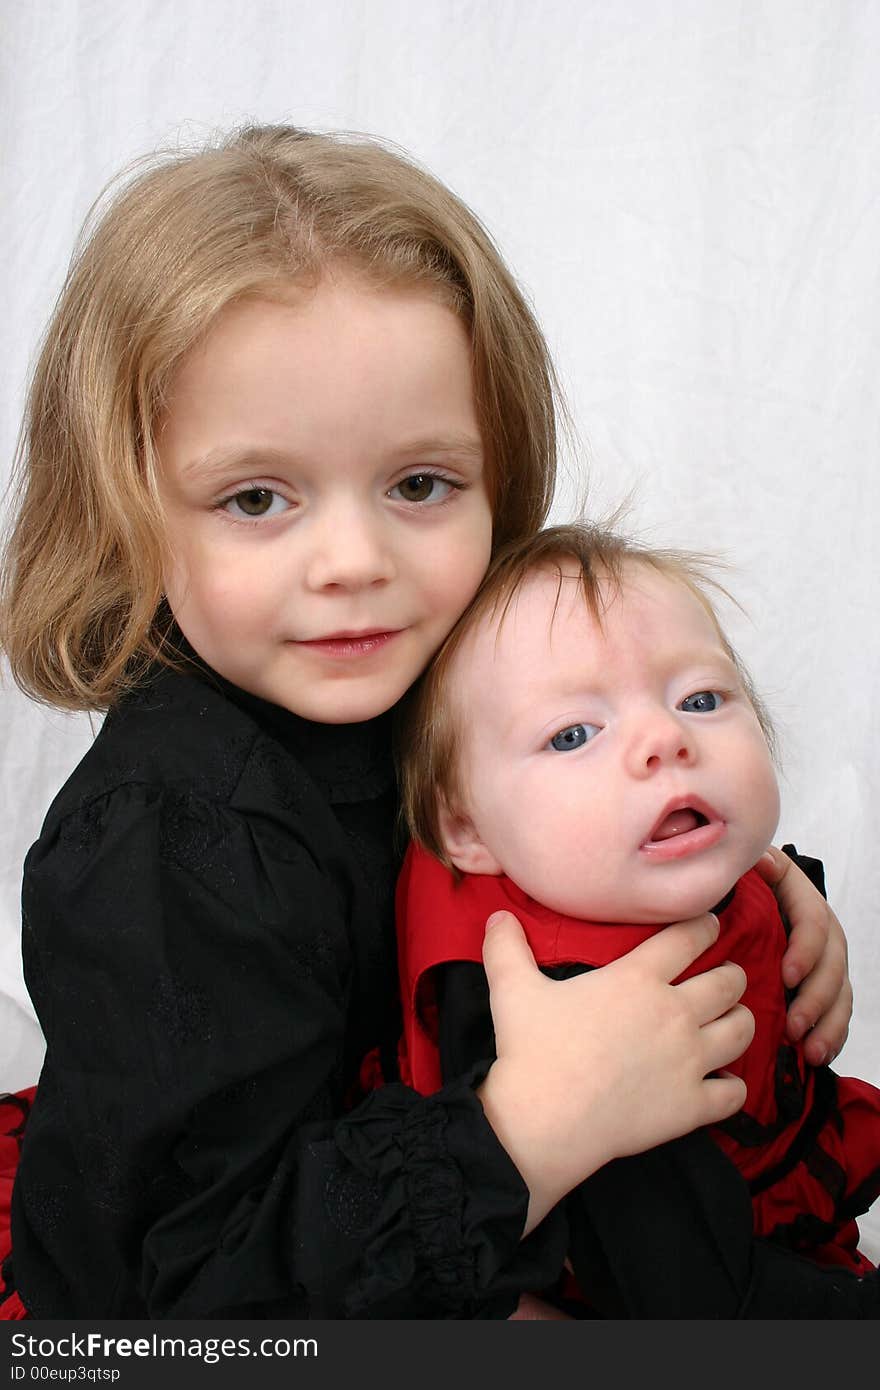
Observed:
{"x":702,"y":703}
{"x":575,"y":736}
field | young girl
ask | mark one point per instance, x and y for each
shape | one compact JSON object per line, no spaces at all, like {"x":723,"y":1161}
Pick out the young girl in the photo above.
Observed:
{"x":289,"y":401}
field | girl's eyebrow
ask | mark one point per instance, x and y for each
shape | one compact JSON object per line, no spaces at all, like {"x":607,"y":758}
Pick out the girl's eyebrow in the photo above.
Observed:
{"x":218,"y":462}
{"x":465,"y":449}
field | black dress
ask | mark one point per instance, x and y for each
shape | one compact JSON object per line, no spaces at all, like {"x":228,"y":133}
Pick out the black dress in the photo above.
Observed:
{"x":208,"y":943}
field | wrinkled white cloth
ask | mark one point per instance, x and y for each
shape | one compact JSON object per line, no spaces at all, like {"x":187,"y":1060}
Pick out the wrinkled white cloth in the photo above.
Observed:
{"x":687,"y":192}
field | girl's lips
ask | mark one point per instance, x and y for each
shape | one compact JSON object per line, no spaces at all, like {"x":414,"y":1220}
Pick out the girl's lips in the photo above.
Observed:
{"x":348,"y":645}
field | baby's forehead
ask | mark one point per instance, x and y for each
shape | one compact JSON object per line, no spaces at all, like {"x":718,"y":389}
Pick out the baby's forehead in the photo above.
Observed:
{"x":557,"y":598}
{"x":563,"y":589}
{"x":514,"y":624}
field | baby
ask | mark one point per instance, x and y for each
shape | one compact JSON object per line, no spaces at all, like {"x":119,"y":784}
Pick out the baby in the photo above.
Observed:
{"x":588,"y":753}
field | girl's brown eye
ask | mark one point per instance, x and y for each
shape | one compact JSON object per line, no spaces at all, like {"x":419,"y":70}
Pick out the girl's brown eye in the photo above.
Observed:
{"x":429,"y":488}
{"x":417,"y":488}
{"x":256,"y":501}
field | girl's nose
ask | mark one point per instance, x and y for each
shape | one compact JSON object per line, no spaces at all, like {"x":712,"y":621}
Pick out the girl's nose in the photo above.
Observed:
{"x":660,"y":740}
{"x":349,"y":551}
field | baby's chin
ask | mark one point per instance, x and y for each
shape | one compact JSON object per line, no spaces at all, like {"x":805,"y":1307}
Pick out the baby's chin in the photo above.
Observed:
{"x":657,"y":905}
{"x":682,"y":911}
{"x":681,"y":903}
{"x":653,"y":894}
{"x":679,"y":891}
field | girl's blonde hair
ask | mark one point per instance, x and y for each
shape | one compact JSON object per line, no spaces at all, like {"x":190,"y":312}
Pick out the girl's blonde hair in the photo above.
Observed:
{"x":81,"y":611}
{"x":430,"y":734}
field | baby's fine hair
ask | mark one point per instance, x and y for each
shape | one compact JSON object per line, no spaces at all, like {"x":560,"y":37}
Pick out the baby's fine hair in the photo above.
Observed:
{"x":81,"y":611}
{"x":429,"y":736}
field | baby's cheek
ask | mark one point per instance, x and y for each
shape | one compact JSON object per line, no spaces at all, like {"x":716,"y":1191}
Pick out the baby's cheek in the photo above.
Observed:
{"x":760,"y":798}
{"x":769,"y":781}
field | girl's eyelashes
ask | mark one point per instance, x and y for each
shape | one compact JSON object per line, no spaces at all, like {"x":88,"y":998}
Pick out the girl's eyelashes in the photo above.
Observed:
{"x":254,"y":503}
{"x":702,"y":702}
{"x":257,"y":502}
{"x":574,"y":736}
{"x":425,"y":487}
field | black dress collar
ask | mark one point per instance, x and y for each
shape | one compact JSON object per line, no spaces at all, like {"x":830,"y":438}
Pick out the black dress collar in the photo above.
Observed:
{"x":348,"y":762}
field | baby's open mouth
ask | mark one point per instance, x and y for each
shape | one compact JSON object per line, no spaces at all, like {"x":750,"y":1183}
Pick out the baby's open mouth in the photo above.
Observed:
{"x":684,"y":829}
{"x":678,"y":823}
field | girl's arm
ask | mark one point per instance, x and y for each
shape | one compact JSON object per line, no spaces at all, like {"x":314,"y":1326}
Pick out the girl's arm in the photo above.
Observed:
{"x":190,"y":1153}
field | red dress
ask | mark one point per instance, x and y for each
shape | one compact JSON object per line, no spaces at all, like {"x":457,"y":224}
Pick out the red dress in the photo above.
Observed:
{"x":13,"y":1114}
{"x":807,"y":1141}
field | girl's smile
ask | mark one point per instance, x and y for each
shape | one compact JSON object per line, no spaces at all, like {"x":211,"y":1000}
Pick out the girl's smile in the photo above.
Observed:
{"x":324,"y":486}
{"x":349,"y":644}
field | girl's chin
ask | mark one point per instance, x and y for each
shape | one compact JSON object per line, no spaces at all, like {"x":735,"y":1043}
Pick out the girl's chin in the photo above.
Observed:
{"x":351,"y":710}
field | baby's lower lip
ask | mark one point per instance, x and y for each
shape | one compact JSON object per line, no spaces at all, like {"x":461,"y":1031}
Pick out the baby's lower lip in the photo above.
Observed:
{"x":691,"y":842}
{"x":349,"y":647}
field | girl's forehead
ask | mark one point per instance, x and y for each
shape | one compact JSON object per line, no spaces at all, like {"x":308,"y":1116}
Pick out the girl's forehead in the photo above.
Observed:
{"x":329,"y":370}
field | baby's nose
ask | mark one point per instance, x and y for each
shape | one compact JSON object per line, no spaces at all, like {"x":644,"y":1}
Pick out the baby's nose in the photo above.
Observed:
{"x":660,"y":741}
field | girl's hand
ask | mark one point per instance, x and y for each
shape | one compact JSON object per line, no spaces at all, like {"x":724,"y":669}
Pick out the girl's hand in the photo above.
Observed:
{"x":815,"y":960}
{"x":533,"y":1309}
{"x":611,"y":1062}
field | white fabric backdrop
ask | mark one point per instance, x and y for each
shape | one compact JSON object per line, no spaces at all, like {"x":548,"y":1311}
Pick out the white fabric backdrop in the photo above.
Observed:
{"x":688,"y":190}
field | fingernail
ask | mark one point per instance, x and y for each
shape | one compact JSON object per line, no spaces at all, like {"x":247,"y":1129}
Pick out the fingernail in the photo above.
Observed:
{"x":797,"y":1026}
{"x":790,"y":975}
{"x":819,"y":1056}
{"x":493,"y":920}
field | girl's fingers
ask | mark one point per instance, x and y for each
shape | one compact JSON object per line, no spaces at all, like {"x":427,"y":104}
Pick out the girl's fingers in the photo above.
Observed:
{"x":824,"y":1041}
{"x":814,"y":928}
{"x":725,"y":1039}
{"x":723,"y":1096}
{"x":824,"y":998}
{"x":506,"y":951}
{"x":815,"y":960}
{"x":665,"y":955}
{"x":670,"y":951}
{"x":804,"y":907}
{"x":713,"y":993}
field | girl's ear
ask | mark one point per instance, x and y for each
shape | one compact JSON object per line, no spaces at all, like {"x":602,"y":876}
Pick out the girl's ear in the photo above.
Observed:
{"x":462,"y":843}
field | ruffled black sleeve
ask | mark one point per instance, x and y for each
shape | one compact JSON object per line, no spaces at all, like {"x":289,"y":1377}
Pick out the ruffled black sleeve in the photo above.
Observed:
{"x":189,"y":1153}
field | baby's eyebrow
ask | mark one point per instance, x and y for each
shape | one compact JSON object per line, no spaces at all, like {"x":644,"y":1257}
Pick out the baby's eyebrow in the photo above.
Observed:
{"x":706,"y":662}
{"x":519,"y":715}
{"x":713,"y":657}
